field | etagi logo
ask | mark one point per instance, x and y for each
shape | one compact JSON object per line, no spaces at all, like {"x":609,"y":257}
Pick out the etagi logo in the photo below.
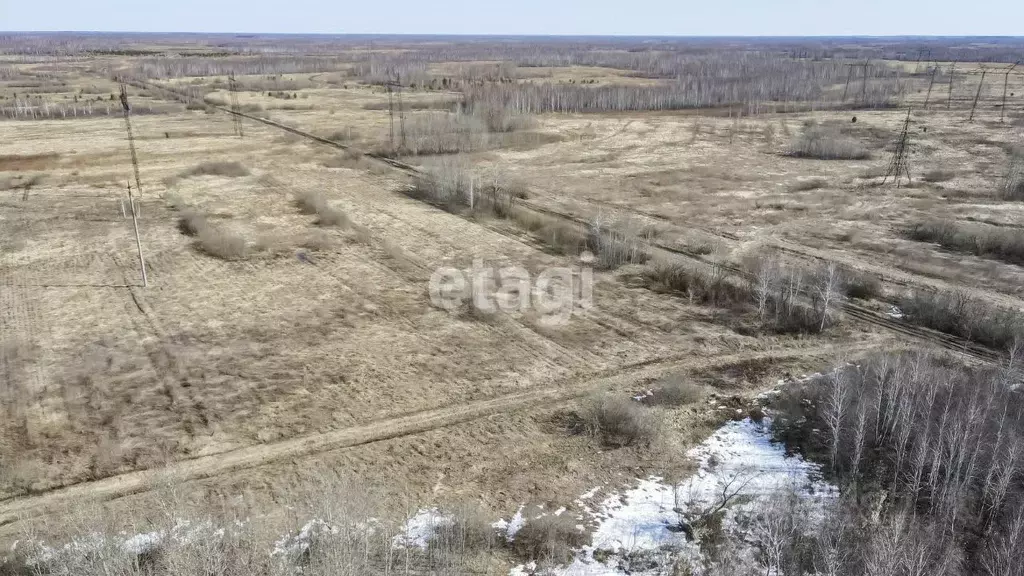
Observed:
{"x":555,"y":294}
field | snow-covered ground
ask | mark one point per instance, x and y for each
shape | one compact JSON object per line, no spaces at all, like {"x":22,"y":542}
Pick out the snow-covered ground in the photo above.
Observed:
{"x":638,"y":530}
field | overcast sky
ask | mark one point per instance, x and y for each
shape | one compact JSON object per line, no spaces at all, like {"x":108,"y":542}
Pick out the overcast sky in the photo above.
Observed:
{"x":601,"y":17}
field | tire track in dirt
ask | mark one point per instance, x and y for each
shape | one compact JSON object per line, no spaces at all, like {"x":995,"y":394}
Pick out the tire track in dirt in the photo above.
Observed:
{"x":16,"y":510}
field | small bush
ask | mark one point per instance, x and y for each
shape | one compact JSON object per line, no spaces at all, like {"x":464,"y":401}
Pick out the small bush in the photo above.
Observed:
{"x":619,"y":421}
{"x":863,"y":286}
{"x":549,"y":538}
{"x":221,"y":243}
{"x":309,"y":201}
{"x":613,"y":248}
{"x":226,"y":169}
{"x":960,"y":314}
{"x":709,"y":286}
{"x":826,"y":144}
{"x":191,"y":222}
{"x":346,"y":159}
{"x":1006,"y":244}
{"x":317,"y":242}
{"x":675,"y":392}
{"x":469,"y":529}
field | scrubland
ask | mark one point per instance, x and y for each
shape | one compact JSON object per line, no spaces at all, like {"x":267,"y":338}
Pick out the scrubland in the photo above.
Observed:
{"x":733,"y":206}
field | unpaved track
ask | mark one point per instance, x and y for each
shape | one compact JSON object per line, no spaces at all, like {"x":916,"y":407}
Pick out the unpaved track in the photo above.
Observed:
{"x":15,"y":510}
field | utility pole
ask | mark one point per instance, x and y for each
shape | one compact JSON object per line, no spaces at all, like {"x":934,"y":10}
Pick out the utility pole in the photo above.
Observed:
{"x":127,"y":109}
{"x":236,"y":118}
{"x":138,"y":239}
{"x":401,"y":111}
{"x":930,"y":84}
{"x":391,"y":116}
{"x":1006,"y":81}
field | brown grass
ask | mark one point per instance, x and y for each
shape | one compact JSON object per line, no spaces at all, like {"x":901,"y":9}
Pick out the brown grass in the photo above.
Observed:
{"x":1013,"y":185}
{"x":808,"y":185}
{"x":225,"y":169}
{"x":27,"y":162}
{"x":938,"y":175}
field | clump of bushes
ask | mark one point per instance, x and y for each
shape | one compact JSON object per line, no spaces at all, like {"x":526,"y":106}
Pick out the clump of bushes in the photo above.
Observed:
{"x":824,"y":143}
{"x":674,"y":392}
{"x":191,"y":222}
{"x":1005,"y":244}
{"x":618,"y":421}
{"x":311,"y":202}
{"x":549,"y":538}
{"x":222,"y":243}
{"x":963,"y":315}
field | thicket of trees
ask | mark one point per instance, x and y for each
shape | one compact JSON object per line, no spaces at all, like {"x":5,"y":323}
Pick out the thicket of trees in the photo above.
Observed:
{"x":929,"y":454}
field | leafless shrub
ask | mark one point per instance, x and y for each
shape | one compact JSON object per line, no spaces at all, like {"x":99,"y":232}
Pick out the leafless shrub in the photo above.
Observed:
{"x":618,"y":421}
{"x":309,"y":201}
{"x":824,"y":143}
{"x":443,"y":133}
{"x":614,"y":248}
{"x":314,"y":202}
{"x":447,"y":182}
{"x":862,"y":286}
{"x":702,"y":285}
{"x":347,"y":134}
{"x":549,"y":539}
{"x":222,"y":243}
{"x":191,"y":222}
{"x":675,"y":391}
{"x":960,"y":314}
{"x":1006,"y":244}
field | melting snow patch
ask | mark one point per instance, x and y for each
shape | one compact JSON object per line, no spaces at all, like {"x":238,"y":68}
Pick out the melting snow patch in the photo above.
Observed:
{"x":420,"y":528}
{"x":640,"y":531}
{"x":511,"y":526}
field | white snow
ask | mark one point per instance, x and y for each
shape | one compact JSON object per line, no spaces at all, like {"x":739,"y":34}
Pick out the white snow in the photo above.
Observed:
{"x":739,"y":458}
{"x":418,"y":530}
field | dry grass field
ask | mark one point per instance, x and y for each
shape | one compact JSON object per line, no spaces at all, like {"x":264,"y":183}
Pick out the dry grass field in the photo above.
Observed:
{"x":287,"y":331}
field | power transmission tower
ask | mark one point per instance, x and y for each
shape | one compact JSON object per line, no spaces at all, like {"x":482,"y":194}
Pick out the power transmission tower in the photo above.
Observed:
{"x":978,"y":94}
{"x":236,"y":118}
{"x":1006,"y":81}
{"x":927,"y":98}
{"x":864,"y":83}
{"x":900,"y":163}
